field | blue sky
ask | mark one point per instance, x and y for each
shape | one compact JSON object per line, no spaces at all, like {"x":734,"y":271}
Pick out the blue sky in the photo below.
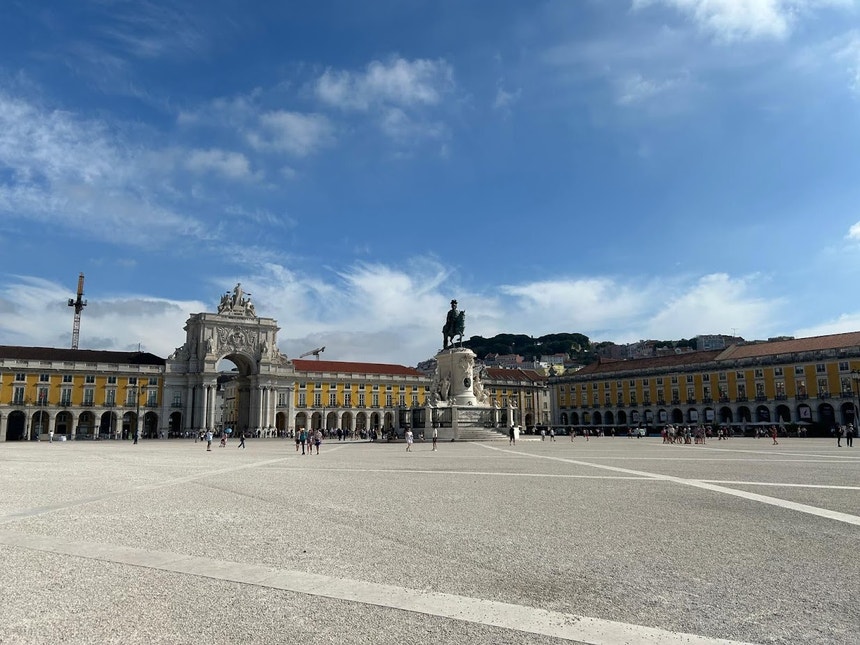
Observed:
{"x":626,"y":169}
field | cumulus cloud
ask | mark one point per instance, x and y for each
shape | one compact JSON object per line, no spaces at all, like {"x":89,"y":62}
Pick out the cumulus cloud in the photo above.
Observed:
{"x":854,"y":232}
{"x":714,"y":304}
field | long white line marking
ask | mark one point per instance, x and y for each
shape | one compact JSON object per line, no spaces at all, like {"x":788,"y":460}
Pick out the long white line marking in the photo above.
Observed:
{"x":520,"y":618}
{"x":419,"y":471}
{"x":773,"y":501}
{"x":779,"y":484}
{"x":839,"y":457}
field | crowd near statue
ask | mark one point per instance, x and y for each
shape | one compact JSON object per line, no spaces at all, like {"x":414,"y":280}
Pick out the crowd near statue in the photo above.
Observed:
{"x":455,"y":325}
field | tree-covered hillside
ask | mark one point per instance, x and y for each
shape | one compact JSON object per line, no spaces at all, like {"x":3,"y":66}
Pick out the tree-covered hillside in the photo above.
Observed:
{"x":576,"y":346}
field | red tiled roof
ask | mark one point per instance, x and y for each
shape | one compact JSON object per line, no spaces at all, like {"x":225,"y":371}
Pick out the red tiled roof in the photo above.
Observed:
{"x":518,"y":374}
{"x":654,"y":362}
{"x":79,"y":355}
{"x":345,"y":367}
{"x":794,"y":346}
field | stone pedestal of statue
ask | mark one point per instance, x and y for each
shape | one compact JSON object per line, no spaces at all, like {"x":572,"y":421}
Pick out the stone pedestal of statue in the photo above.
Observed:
{"x":461,"y":408}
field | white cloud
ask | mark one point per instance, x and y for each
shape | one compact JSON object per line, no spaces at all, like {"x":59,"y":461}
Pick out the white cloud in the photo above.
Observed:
{"x":844,"y":323}
{"x":396,"y":82}
{"x":399,"y":126}
{"x":292,"y":132}
{"x":635,"y":88}
{"x":233,"y":165}
{"x":36,"y":314}
{"x":846,"y":52}
{"x":380,"y":313}
{"x":714,"y":304}
{"x":80,"y":174}
{"x":854,"y":232}
{"x":731,"y":20}
{"x":504,"y":100}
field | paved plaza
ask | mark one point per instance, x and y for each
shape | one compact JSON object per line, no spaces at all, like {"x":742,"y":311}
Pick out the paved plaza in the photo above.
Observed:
{"x":613,"y":540}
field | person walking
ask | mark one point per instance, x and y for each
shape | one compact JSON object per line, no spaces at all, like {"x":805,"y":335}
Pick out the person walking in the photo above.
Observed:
{"x":303,"y":437}
{"x":839,"y":431}
{"x":318,"y":437}
{"x":552,"y":434}
{"x":297,"y":440}
{"x":773,"y":433}
{"x":435,"y":437}
{"x":241,"y":439}
{"x":512,"y":436}
{"x":51,"y":435}
{"x":409,"y":437}
{"x":208,"y":437}
{"x":849,"y":435}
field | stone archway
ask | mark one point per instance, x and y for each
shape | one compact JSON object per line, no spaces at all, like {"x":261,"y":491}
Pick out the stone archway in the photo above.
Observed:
{"x":174,"y":425}
{"x":16,"y":426}
{"x":263,"y":378}
{"x":63,"y":423}
{"x":108,"y":425}
{"x":346,"y":422}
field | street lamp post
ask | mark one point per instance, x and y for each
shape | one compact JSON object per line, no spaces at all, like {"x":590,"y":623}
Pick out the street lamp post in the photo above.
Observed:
{"x":28,"y":423}
{"x":855,"y":377}
{"x":137,"y":413}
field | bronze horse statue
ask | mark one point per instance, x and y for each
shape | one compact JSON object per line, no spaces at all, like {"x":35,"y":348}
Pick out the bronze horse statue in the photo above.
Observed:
{"x":454,"y":326}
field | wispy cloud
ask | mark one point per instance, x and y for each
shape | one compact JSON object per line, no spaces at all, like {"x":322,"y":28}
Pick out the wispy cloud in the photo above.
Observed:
{"x":397,"y":82}
{"x":399,"y":94}
{"x":504,"y":99}
{"x":79,"y":174}
{"x":381,"y":313}
{"x":233,"y":165}
{"x":292,"y":132}
{"x":635,"y":88}
{"x":733,"y":20}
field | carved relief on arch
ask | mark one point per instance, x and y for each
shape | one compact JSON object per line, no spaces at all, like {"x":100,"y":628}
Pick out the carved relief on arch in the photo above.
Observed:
{"x":235,"y":339}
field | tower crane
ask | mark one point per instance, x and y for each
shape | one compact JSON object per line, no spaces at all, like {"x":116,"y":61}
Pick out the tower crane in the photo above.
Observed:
{"x":78,"y":303}
{"x":316,"y":352}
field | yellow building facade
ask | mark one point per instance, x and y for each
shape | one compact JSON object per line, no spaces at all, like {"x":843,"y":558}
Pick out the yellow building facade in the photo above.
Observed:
{"x":79,"y":394}
{"x":806,"y":381}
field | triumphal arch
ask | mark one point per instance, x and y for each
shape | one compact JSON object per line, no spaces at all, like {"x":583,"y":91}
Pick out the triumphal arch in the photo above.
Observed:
{"x":263,"y":382}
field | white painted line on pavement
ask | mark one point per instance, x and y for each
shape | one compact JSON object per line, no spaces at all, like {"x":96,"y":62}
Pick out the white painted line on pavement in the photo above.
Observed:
{"x":773,"y":501}
{"x":583,"y":629}
{"x":779,"y":484}
{"x":777,"y":451}
{"x":417,"y":471}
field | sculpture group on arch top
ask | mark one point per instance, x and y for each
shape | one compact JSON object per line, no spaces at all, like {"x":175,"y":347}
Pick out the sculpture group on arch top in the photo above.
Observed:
{"x":219,"y":339}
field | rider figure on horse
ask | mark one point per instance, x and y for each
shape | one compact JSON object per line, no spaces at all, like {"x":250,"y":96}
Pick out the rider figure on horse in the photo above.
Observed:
{"x":455,"y":324}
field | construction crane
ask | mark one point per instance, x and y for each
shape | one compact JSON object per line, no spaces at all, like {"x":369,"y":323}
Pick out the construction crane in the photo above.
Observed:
{"x":316,"y":352}
{"x":79,"y":303}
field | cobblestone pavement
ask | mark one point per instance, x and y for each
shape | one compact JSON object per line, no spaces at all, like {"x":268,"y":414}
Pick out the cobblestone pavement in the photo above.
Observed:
{"x":613,"y":540}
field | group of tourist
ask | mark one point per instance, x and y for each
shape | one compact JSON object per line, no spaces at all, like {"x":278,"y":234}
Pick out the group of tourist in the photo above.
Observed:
{"x":689,"y":434}
{"x":310,"y":439}
{"x":846,"y":431}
